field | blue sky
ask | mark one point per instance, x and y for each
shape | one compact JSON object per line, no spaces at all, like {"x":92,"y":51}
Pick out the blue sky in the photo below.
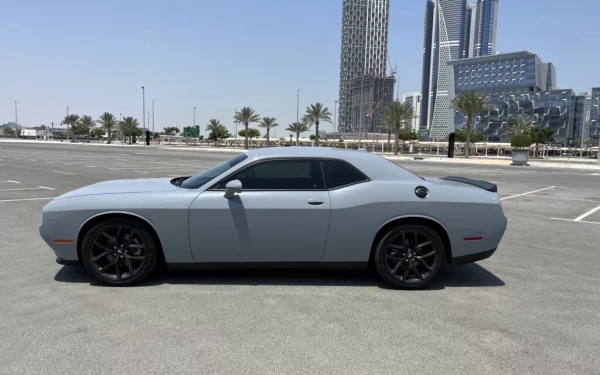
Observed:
{"x":94,"y":55}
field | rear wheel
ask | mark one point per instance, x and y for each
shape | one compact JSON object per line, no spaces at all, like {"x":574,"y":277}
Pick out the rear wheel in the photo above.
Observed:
{"x":409,"y":256}
{"x":119,"y":252}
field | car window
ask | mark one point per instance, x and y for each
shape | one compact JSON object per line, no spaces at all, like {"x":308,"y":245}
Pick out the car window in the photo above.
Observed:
{"x":200,"y":179}
{"x":339,"y":174}
{"x":280,"y":175}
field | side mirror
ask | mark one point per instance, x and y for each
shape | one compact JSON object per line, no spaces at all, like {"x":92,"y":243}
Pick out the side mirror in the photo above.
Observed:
{"x":232,"y":188}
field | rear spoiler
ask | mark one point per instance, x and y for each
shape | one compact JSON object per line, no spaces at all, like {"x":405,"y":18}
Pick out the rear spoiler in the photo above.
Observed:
{"x":480,"y":184}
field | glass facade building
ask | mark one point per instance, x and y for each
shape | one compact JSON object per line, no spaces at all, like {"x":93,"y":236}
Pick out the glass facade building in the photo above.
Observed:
{"x":594,"y":118}
{"x":426,"y":70}
{"x":554,"y":109}
{"x":363,"y":50}
{"x":485,"y":28}
{"x":449,"y":28}
{"x":502,"y":71}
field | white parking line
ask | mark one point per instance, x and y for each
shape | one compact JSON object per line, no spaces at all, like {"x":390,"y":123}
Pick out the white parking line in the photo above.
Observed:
{"x":37,"y":188}
{"x":529,"y":192}
{"x":63,"y":172}
{"x":580,"y":218}
{"x":573,"y":221}
{"x":26,"y":199}
{"x":90,"y":166}
{"x":9,"y":182}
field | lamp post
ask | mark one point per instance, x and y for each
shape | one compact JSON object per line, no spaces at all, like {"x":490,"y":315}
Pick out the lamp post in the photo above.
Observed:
{"x":362,"y":85}
{"x":298,"y":106}
{"x":334,"y":115}
{"x":236,"y":133}
{"x":16,"y":121}
{"x":144,"y":110}
{"x":194,"y":117}
{"x":153,"y":115}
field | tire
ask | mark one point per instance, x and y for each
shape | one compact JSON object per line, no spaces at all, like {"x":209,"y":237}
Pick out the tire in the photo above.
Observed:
{"x":113,"y":248}
{"x":405,"y":265}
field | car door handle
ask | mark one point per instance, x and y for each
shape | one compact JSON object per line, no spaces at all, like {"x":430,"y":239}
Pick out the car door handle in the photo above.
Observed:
{"x":315,"y":202}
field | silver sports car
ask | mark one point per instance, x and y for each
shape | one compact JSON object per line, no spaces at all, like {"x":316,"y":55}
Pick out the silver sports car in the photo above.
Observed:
{"x":279,"y":207}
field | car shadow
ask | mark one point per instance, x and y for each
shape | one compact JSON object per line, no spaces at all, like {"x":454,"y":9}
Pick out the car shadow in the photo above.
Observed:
{"x":469,"y":275}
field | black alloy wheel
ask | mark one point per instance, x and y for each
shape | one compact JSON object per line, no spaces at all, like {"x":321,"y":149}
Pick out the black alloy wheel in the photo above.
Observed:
{"x":119,"y":252}
{"x":409,"y":256}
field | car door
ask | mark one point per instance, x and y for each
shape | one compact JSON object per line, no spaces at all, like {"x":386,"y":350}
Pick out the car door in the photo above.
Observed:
{"x":281,"y":215}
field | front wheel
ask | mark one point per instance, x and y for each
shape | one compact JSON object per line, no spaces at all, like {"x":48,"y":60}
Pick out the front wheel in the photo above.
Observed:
{"x":119,"y":252}
{"x":409,"y":256}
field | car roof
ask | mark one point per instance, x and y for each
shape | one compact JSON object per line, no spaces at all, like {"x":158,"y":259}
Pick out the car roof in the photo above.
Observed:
{"x":373,"y":165}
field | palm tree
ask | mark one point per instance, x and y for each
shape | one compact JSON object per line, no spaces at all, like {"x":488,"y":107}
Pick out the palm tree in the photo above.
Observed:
{"x":268,"y":123}
{"x":129,"y":127}
{"x":214,"y":126}
{"x":85,"y":124}
{"x":108,"y":120}
{"x":398,"y":114}
{"x":314,"y":115}
{"x":297,"y":128}
{"x":470,"y":103}
{"x":246,"y":116}
{"x":71,"y":120}
{"x":522,"y":125}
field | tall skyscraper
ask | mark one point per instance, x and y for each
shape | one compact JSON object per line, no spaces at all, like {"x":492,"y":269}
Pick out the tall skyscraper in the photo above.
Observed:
{"x":364,"y":50}
{"x":470,"y":26}
{"x":415,"y":99}
{"x":426,"y":65}
{"x":485,"y":30}
{"x":449,"y":28}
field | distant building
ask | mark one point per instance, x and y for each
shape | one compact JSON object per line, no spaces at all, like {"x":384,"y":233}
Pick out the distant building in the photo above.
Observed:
{"x":377,"y":94}
{"x":448,"y":36}
{"x":485,"y":27}
{"x":515,"y":70}
{"x":551,"y":78}
{"x":415,"y":99}
{"x":593,"y":131}
{"x":426,"y":70}
{"x":363,"y":51}
{"x":519,"y":83}
{"x":469,"y":34}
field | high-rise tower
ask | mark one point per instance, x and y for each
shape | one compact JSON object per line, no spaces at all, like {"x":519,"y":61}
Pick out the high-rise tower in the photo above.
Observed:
{"x":448,"y":38}
{"x":426,"y":65}
{"x":470,"y":26}
{"x":485,"y":28}
{"x":364,"y":49}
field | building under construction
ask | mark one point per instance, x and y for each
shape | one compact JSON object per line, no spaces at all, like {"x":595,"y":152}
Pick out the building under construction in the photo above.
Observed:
{"x":376,"y":94}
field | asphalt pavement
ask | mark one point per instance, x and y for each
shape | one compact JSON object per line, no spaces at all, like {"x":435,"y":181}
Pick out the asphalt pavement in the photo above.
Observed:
{"x":532,"y":308}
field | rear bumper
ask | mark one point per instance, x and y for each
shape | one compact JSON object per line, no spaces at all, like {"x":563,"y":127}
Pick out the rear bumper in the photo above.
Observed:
{"x":65,"y":262}
{"x":472,"y":257}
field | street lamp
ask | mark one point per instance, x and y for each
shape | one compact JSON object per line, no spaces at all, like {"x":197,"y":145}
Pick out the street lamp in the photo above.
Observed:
{"x":16,"y":121}
{"x":236,"y":133}
{"x":362,"y":85}
{"x":194,"y":117}
{"x":334,"y":116}
{"x":298,"y":106}
{"x":153,"y":115}
{"x":144,"y":111}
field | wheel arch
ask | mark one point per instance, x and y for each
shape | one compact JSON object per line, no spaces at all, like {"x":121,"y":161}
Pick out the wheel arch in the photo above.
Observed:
{"x":434,"y":224}
{"x":95,"y":219}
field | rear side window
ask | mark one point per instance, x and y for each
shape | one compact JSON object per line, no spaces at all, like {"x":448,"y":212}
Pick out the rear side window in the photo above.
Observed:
{"x":338,"y":174}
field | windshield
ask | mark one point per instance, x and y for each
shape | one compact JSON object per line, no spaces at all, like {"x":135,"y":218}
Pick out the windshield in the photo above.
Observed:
{"x":200,"y":179}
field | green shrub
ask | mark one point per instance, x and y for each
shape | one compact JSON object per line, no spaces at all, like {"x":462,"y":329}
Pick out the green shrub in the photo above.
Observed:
{"x":520,"y":142}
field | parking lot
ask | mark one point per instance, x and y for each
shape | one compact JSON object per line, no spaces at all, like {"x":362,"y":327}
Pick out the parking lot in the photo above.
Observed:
{"x":532,"y":308}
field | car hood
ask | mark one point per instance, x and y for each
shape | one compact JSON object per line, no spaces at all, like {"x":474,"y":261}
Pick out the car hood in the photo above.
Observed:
{"x":141,"y":185}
